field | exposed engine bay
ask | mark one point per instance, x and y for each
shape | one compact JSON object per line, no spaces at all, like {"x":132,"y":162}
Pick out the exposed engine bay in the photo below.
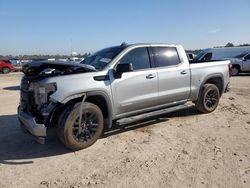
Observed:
{"x":42,"y":69}
{"x":35,"y":96}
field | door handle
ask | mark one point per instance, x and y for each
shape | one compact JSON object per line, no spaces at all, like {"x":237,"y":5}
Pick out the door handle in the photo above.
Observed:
{"x":183,"y":72}
{"x":150,"y":76}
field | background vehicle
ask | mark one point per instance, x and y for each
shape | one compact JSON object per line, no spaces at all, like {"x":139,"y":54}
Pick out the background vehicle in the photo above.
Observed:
{"x":190,"y":56}
{"x":17,"y":64}
{"x":220,"y":53}
{"x":240,"y":63}
{"x":113,"y":84}
{"x":6,"y":66}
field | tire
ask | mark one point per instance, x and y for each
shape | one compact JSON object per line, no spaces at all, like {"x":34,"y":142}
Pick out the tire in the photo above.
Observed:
{"x":6,"y":70}
{"x":235,"y":71}
{"x":208,"y":99}
{"x":91,"y":127}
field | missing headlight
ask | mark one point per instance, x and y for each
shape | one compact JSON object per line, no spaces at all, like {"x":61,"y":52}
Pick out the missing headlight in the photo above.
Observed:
{"x":42,"y":92}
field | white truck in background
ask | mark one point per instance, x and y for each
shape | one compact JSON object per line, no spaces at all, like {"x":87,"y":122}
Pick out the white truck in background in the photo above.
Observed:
{"x":240,"y":63}
{"x":220,"y":53}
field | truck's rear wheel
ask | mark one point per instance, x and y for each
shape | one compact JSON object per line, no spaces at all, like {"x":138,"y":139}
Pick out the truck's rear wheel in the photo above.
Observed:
{"x":208,"y":99}
{"x":91,"y":127}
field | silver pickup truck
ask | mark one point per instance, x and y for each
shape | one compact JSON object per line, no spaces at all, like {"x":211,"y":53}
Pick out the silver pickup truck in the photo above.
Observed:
{"x":80,"y":100}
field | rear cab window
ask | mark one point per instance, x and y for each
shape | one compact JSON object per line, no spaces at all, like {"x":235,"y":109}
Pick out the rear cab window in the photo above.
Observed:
{"x":165,"y":56}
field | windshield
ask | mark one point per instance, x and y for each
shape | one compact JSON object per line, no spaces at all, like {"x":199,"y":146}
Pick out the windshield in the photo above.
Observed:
{"x":241,"y":55}
{"x":102,"y":58}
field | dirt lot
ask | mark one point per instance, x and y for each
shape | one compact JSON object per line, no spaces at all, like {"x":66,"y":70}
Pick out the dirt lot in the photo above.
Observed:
{"x":183,"y":149}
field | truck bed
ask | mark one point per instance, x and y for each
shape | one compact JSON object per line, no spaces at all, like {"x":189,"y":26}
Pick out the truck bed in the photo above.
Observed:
{"x":203,"y":70}
{"x":203,"y":61}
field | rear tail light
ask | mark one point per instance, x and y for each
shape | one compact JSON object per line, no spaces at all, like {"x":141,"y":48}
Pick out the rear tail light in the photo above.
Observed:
{"x":230,"y":66}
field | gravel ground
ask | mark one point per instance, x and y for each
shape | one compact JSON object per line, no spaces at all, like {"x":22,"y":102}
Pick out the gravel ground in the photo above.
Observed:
{"x":182,"y":149}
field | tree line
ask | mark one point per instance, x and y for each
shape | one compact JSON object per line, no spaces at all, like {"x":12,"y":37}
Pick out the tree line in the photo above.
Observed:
{"x":41,"y":57}
{"x":229,"y":44}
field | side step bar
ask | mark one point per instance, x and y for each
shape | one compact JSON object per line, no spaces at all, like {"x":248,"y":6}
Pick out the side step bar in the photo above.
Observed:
{"x":136,"y":118}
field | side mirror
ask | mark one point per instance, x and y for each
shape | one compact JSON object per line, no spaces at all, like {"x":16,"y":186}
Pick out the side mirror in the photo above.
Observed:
{"x":244,"y":59}
{"x":121,"y":68}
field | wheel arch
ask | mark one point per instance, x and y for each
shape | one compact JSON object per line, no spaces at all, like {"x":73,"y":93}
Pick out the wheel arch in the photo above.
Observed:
{"x":99,"y":98}
{"x":6,"y":68}
{"x":237,"y":66}
{"x":216,"y":79}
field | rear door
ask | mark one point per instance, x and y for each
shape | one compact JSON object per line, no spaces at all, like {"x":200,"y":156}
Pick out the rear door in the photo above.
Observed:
{"x":173,"y":75}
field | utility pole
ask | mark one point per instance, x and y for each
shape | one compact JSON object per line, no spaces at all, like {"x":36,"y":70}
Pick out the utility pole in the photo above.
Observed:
{"x":71,"y":51}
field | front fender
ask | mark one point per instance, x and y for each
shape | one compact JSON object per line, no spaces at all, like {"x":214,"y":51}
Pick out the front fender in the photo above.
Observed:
{"x":103,"y":94}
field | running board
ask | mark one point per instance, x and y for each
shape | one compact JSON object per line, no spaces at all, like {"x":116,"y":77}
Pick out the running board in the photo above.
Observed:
{"x":152,"y":114}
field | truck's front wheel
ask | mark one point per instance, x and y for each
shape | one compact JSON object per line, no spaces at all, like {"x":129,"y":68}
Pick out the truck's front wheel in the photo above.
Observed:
{"x":208,"y":99}
{"x":91,"y":126}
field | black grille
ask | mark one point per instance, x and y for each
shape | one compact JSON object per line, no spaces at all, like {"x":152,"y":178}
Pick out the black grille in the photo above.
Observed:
{"x":27,"y":97}
{"x":24,"y":89}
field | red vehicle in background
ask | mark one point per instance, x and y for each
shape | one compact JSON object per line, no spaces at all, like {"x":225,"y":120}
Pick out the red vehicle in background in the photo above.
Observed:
{"x":6,"y":66}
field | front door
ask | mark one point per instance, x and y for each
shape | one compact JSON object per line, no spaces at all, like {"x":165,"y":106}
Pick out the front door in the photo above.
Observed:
{"x":135,"y":90}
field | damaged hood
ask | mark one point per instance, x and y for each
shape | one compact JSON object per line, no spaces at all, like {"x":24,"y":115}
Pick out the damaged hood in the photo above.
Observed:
{"x":40,"y":69}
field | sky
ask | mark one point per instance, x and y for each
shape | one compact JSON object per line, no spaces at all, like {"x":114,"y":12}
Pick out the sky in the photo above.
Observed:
{"x":54,"y":26}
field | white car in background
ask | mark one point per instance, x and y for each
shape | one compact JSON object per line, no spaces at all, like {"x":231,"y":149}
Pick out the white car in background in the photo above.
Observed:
{"x":240,"y":63}
{"x":220,"y":53}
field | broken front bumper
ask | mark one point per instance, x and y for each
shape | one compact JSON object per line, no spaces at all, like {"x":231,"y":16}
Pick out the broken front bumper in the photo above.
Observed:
{"x":28,"y":122}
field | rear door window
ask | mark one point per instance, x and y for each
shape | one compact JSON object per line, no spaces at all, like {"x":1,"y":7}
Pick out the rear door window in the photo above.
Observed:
{"x":165,"y":56}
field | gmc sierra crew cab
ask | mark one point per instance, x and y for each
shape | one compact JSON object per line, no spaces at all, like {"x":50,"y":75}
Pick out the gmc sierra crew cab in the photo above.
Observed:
{"x":115,"y":83}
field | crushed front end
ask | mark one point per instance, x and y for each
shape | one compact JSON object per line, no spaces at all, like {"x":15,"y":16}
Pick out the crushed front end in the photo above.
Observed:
{"x":35,"y":106}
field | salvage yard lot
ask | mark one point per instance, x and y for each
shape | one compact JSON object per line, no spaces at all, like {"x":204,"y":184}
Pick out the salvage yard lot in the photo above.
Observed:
{"x":182,"y":149}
